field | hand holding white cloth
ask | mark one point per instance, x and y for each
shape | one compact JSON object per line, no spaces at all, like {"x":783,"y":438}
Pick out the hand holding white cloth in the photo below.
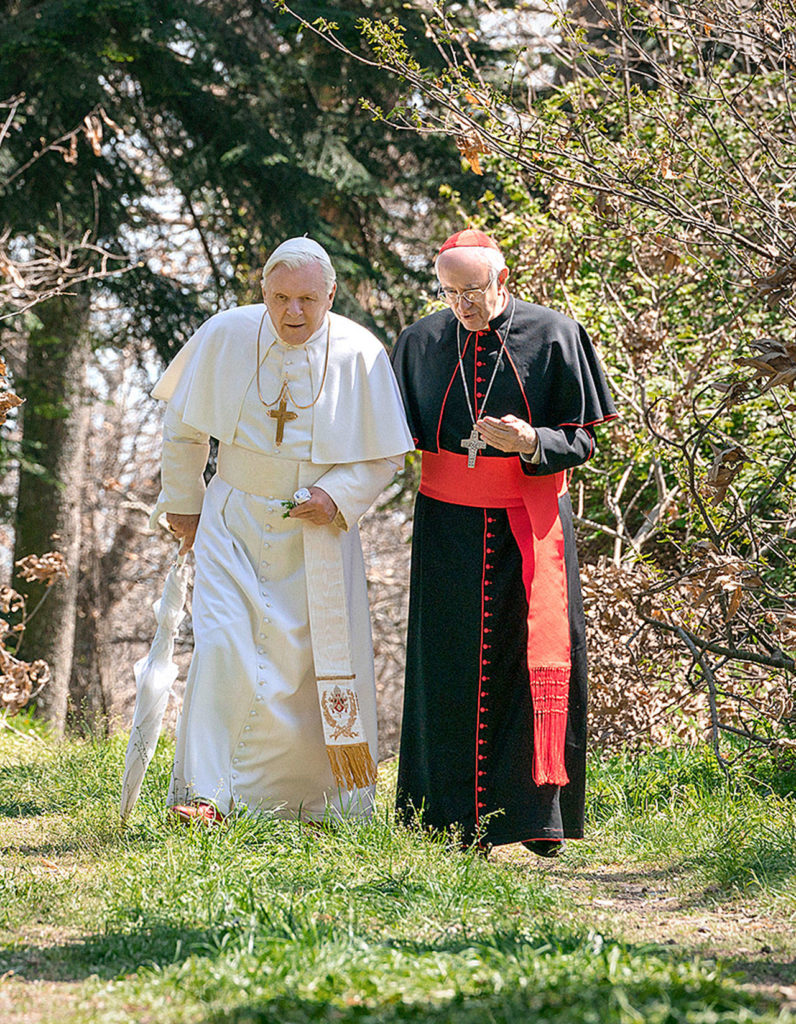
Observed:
{"x":318,"y":509}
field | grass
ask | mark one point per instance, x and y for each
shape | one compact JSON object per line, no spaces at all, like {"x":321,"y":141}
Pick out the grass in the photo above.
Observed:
{"x":733,"y":836}
{"x":268,"y":921}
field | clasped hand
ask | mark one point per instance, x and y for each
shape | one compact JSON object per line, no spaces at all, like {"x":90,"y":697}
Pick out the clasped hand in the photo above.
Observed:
{"x":319,"y":509}
{"x":508,"y":434}
{"x":183,"y":528}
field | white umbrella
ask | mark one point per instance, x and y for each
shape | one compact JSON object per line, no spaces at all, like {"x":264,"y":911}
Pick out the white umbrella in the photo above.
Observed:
{"x":154,"y":676}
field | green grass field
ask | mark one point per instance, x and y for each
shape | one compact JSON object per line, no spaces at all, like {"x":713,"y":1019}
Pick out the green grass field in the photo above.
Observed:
{"x":268,"y":921}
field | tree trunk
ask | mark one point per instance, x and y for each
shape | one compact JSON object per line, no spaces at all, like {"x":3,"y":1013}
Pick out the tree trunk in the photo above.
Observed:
{"x":92,"y":682}
{"x":55,"y":425}
{"x":87,"y":702}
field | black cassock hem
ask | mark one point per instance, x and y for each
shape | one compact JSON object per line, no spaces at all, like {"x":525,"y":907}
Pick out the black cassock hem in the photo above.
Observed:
{"x":467,"y":735}
{"x":467,"y":673}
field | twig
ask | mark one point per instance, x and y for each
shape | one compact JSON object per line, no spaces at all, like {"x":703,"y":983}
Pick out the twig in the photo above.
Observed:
{"x":707,"y":675}
{"x":4,"y":724}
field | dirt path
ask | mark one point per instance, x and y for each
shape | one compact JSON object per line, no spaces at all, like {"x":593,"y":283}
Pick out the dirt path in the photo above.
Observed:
{"x":641,"y":905}
{"x":646,"y":905}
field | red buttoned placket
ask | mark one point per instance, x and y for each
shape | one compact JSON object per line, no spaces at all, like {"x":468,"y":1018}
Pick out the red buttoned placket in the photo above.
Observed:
{"x":485,"y":660}
{"x":485,"y":665}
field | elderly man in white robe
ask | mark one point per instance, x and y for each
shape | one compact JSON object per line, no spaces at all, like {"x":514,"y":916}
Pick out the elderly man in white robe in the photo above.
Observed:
{"x":279,"y":714}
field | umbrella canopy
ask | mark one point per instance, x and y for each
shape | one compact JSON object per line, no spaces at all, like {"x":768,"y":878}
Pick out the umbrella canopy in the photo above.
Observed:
{"x":154,"y":676}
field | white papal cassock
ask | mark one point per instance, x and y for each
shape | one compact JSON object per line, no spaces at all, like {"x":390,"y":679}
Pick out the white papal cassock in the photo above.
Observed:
{"x":250,"y":732}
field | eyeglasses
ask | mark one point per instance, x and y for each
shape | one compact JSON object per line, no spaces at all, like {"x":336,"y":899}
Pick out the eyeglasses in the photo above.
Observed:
{"x":473,"y":295}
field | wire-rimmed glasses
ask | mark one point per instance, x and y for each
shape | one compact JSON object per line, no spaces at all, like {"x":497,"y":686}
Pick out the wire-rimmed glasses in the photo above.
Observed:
{"x":472,"y":295}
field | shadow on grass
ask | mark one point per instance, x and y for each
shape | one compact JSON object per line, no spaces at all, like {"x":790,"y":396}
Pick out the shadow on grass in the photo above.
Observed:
{"x":553,"y":999}
{"x":20,"y":809}
{"x":605,"y":876}
{"x":509,"y":1006}
{"x":104,"y":838}
{"x":114,"y":954}
{"x":764,"y":971}
{"x":763,"y":863}
{"x":715,"y":874}
{"x":107,"y":956}
{"x":20,"y":786}
{"x":567,"y":975}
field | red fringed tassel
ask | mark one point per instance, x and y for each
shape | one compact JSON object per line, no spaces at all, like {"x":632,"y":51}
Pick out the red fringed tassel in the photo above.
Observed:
{"x":550,"y":697}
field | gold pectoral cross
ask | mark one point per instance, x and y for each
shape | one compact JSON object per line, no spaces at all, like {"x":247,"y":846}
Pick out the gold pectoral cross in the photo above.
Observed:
{"x":282,"y":415}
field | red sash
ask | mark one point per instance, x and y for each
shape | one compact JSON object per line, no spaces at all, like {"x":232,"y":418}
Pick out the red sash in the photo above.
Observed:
{"x":531,"y":503}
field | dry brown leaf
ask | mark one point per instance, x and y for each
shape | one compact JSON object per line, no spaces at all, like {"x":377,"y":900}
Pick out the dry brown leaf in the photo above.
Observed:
{"x":471,"y":145}
{"x":474,"y":100}
{"x":10,"y":600}
{"x":110,"y":122}
{"x":7,"y":269}
{"x":46,"y":568}
{"x":70,"y":155}
{"x":92,"y":126}
{"x":644,"y":336}
{"x":19,"y":680}
{"x":735,"y":604}
{"x":735,"y":390}
{"x":665,"y":167}
{"x":8,"y":401}
{"x":776,"y":360}
{"x":671,"y":260}
{"x":726,"y":465}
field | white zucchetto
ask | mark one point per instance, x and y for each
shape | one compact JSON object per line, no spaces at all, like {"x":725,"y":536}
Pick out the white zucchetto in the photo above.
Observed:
{"x":306,"y":247}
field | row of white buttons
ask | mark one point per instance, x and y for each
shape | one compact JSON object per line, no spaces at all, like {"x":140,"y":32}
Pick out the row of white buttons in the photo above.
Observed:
{"x":261,"y":652}
{"x":260,"y":699}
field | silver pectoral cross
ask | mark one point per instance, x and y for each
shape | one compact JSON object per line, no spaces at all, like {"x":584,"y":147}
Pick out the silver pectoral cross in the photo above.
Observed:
{"x":473,"y":444}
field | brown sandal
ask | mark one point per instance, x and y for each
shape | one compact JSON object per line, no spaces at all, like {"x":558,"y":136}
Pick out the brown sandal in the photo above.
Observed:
{"x":202,"y":813}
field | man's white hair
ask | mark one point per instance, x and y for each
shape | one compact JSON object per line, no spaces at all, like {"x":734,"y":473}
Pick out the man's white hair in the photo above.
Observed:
{"x":493,"y":258}
{"x":298,"y":252}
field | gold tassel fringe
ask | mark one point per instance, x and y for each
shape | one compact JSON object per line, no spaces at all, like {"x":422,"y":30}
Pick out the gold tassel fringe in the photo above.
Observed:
{"x":352,"y":765}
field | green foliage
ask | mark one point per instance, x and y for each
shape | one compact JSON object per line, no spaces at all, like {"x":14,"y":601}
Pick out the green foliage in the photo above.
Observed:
{"x":264,"y":920}
{"x":661,"y":326}
{"x":727,"y":835}
{"x":660,"y":779}
{"x":642,"y":160}
{"x":182,"y":134}
{"x":640,"y":182}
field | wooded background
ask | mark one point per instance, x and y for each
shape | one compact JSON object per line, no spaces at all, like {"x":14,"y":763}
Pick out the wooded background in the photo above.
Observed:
{"x":636,"y":161}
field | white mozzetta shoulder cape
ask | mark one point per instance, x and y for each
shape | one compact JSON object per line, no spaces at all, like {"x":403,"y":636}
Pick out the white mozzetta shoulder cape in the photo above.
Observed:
{"x":359,"y":415}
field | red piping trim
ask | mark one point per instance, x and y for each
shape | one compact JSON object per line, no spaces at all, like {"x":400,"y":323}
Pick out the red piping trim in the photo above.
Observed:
{"x":447,"y":391}
{"x":519,"y":382}
{"x":549,"y":839}
{"x":592,"y":423}
{"x":475,"y":372}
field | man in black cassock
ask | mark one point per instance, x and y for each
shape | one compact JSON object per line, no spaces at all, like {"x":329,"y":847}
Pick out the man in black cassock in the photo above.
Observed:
{"x":502,"y":397}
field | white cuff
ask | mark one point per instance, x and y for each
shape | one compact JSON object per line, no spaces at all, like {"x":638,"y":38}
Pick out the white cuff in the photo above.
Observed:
{"x":534,"y":459}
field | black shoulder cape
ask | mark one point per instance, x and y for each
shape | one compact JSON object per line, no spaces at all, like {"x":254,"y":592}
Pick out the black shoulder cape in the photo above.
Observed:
{"x":552,"y":356}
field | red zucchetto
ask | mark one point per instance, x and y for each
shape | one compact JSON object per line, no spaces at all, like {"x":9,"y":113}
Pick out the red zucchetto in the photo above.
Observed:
{"x":469,"y":237}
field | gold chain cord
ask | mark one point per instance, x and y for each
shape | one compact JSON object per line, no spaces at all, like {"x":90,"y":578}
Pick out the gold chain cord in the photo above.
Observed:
{"x":285,"y":389}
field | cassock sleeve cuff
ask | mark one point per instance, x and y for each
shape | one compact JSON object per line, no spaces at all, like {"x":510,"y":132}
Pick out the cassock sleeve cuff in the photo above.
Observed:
{"x":354,"y":486}
{"x":536,"y":458}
